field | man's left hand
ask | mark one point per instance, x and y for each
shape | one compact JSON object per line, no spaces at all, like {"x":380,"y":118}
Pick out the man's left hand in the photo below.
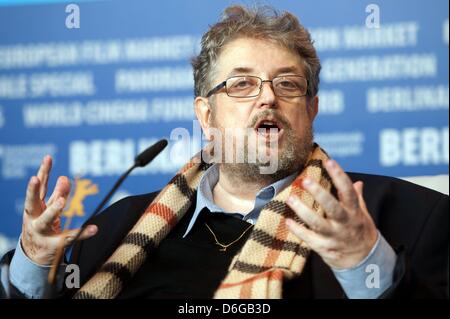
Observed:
{"x":347,"y":233}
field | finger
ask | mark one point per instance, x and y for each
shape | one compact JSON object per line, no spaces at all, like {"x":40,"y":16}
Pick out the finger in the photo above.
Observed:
{"x":88,"y":232}
{"x":32,"y":203}
{"x":359,"y":188}
{"x":44,"y":223}
{"x":332,"y":207}
{"x":315,"y":222}
{"x":43,"y":174}
{"x":56,"y":226}
{"x":311,"y":238}
{"x":344,"y":185}
{"x":62,"y":189}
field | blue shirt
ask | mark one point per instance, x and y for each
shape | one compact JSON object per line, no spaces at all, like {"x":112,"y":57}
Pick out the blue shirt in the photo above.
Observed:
{"x":205,"y":197}
{"x":366,"y":280}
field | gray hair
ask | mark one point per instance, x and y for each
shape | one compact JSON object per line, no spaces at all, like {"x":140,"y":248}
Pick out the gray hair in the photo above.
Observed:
{"x":258,"y":23}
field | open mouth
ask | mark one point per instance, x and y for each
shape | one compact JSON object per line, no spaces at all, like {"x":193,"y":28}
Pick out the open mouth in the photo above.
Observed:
{"x":269,"y":128}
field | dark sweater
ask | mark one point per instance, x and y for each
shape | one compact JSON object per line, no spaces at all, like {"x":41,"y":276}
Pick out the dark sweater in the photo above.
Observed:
{"x":193,"y":267}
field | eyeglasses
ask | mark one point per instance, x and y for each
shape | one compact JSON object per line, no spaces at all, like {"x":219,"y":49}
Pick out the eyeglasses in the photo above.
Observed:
{"x":250,"y":86}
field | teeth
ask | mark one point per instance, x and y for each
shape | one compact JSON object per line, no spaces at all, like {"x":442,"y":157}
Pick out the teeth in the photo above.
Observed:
{"x":268,"y":123}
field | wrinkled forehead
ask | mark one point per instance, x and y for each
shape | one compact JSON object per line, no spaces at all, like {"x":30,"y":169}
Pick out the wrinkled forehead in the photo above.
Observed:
{"x":263,"y":58}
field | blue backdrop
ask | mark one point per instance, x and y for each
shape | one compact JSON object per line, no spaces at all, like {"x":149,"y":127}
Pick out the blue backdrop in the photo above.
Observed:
{"x":93,"y":95}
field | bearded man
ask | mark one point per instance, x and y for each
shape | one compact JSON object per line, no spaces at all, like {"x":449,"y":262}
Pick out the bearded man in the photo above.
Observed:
{"x":236,"y":229}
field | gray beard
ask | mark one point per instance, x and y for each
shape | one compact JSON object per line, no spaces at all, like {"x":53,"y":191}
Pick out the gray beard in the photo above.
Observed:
{"x":291,"y":159}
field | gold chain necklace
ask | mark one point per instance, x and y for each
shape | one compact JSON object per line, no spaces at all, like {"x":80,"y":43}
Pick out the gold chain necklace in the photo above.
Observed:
{"x":225,"y":246}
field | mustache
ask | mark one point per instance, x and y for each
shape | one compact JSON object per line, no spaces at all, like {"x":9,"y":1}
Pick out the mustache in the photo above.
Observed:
{"x":263,"y":114}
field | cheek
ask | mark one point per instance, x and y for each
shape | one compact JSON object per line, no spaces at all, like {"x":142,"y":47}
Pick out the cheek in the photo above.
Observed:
{"x":232,"y":115}
{"x":299,"y":118}
{"x":301,"y":125}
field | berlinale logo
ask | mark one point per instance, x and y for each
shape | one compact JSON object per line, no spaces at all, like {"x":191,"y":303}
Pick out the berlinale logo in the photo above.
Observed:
{"x":83,"y":188}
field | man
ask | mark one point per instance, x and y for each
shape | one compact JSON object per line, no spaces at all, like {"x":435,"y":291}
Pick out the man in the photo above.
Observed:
{"x":226,"y":230}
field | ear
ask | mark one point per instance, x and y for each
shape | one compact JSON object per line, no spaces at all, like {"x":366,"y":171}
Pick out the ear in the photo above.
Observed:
{"x":203,"y":113}
{"x":314,"y":108}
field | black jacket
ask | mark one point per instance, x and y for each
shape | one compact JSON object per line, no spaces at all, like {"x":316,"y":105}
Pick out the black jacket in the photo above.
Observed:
{"x":413,"y":219}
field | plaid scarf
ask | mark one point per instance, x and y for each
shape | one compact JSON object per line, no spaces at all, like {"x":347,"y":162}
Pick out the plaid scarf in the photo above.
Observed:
{"x":270,"y":254}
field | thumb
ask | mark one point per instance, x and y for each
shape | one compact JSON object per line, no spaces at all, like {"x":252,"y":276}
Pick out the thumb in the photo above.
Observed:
{"x":88,"y":232}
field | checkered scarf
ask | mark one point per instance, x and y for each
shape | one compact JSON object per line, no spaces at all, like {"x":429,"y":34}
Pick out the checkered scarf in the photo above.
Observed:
{"x":270,"y":255}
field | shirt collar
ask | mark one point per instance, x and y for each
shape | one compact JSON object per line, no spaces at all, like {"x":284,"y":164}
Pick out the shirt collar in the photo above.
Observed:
{"x":205,"y":197}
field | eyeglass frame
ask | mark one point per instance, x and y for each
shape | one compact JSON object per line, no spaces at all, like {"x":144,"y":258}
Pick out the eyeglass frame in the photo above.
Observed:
{"x":224,"y":84}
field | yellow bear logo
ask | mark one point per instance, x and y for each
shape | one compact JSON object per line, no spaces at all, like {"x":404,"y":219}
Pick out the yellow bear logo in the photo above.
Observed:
{"x":83,"y":188}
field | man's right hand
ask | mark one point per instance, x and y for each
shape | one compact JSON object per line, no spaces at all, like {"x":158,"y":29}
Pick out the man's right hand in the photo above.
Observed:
{"x":41,"y":229}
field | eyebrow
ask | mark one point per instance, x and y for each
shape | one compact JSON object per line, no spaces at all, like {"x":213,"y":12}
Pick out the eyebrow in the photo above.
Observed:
{"x":247,"y":70}
{"x":240,"y":70}
{"x":288,"y":69}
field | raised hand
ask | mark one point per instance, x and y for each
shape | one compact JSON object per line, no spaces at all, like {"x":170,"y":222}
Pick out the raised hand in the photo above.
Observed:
{"x":347,"y":233}
{"x":41,"y":228}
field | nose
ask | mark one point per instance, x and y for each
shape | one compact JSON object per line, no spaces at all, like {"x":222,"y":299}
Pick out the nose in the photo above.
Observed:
{"x":267,"y":96}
